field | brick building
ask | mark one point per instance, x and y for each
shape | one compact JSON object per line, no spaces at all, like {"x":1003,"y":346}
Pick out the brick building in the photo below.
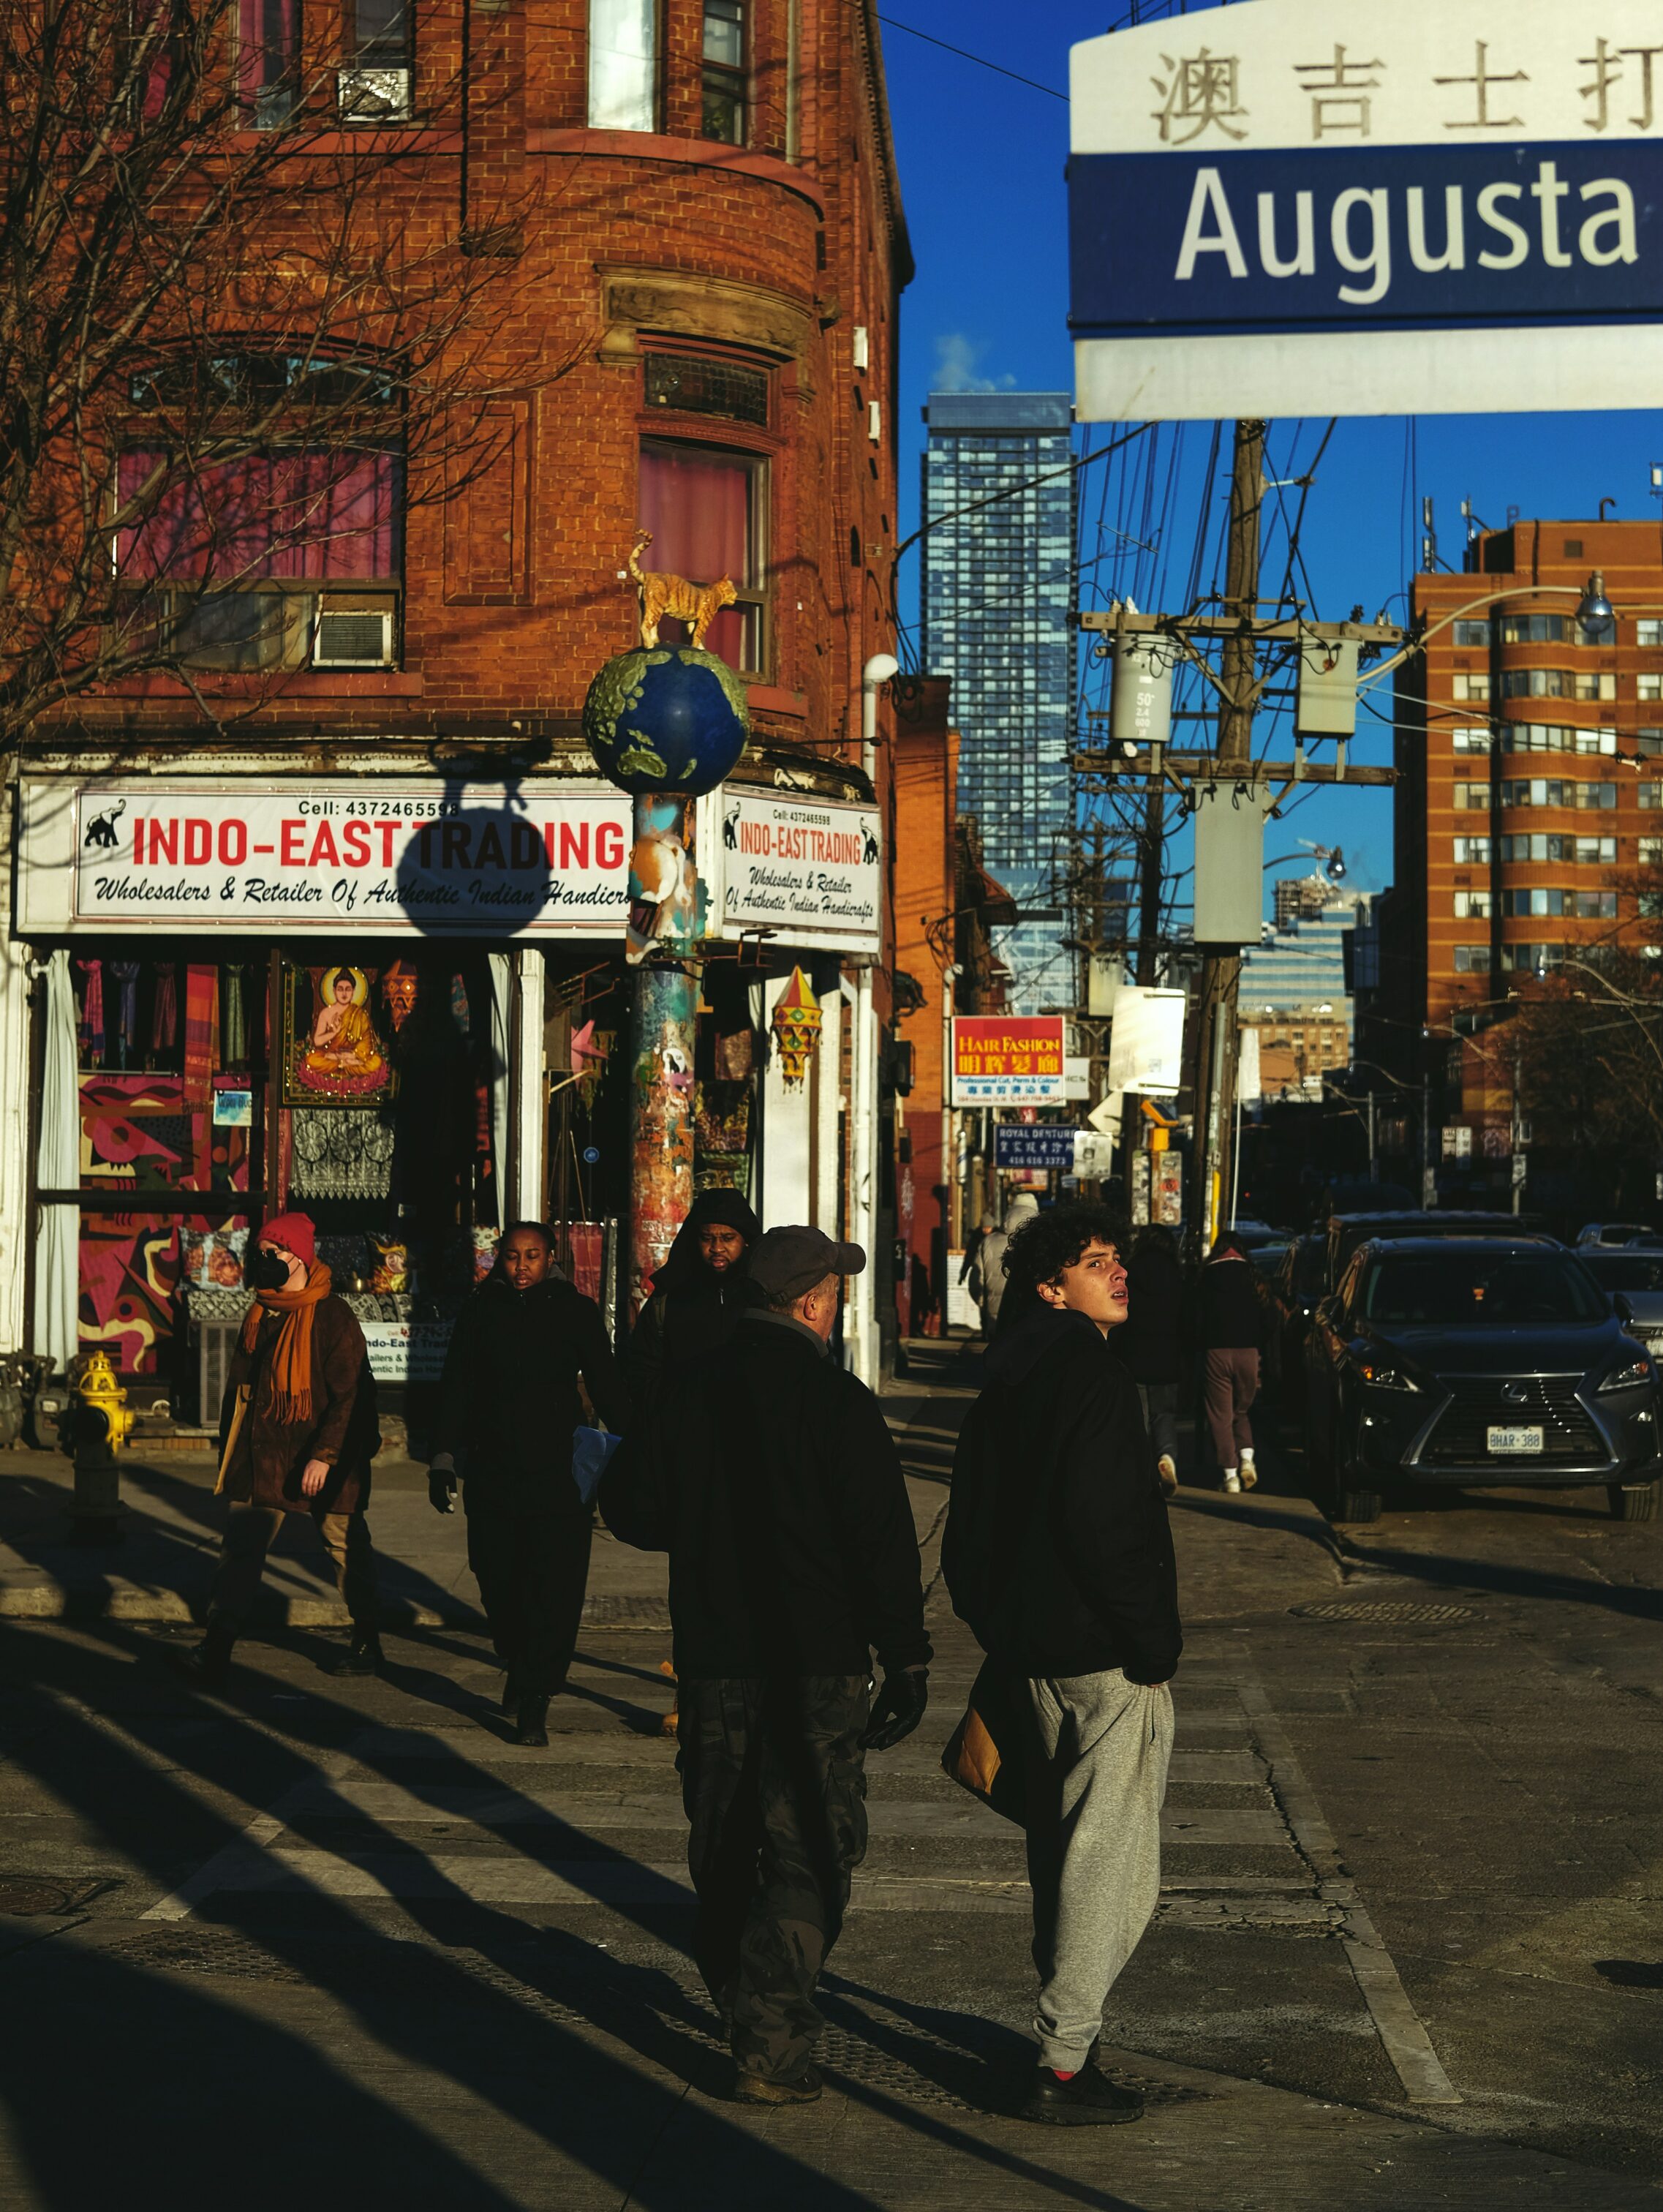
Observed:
{"x":370,"y":784}
{"x":1531,"y":760}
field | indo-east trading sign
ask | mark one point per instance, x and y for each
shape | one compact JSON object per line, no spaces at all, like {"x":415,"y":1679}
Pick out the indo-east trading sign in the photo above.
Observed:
{"x":1325,"y":207}
{"x":178,"y":855}
{"x":1008,"y":1060}
{"x":805,"y":870}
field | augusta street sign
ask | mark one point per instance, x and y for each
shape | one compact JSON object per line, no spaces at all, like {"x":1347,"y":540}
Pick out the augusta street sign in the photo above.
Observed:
{"x":1314,"y":207}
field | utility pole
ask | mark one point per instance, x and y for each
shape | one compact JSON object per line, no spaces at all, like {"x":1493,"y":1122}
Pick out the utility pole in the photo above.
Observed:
{"x":1220,"y":972}
{"x":1148,"y":898}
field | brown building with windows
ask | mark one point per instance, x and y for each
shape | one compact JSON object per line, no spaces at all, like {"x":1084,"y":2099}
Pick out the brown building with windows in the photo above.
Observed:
{"x":1531,"y":760}
{"x":354,"y":771}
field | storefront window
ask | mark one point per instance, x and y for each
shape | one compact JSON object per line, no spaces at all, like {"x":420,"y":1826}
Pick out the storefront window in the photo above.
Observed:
{"x":706,"y":510}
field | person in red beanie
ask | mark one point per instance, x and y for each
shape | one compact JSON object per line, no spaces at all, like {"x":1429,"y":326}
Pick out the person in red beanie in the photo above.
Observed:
{"x":297,"y":1433}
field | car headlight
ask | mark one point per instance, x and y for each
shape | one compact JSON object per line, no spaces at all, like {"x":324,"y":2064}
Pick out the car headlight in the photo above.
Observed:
{"x":1380,"y":1374}
{"x":1629,"y":1376}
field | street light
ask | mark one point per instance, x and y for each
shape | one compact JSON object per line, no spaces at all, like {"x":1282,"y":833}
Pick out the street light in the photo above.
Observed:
{"x":1594,"y":613}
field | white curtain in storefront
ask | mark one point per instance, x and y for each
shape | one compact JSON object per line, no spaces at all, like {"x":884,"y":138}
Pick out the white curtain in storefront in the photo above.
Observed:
{"x":502,"y":984}
{"x":56,"y":1268}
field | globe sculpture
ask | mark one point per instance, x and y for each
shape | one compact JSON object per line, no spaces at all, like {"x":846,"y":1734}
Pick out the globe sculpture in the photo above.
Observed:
{"x":666,"y":717}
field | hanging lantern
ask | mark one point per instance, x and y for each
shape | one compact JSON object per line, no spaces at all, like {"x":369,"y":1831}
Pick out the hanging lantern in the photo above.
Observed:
{"x":796,"y":1028}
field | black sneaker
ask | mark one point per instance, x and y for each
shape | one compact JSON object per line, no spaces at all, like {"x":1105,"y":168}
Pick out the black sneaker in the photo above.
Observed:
{"x":208,"y":1663}
{"x":531,"y":1721}
{"x":363,"y":1656}
{"x":1090,"y":2099}
{"x":802,"y":2089}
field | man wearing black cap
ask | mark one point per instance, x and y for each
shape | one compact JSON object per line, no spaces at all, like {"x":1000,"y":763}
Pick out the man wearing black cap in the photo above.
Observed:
{"x":777,"y":1491}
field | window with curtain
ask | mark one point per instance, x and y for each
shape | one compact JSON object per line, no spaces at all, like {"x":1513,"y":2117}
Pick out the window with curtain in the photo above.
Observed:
{"x":724,"y":79}
{"x":222,"y":550}
{"x":708,"y":511}
{"x":269,"y":60}
{"x":624,"y":64}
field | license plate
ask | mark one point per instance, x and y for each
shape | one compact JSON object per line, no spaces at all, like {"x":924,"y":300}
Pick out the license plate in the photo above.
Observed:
{"x":1514,"y":1440}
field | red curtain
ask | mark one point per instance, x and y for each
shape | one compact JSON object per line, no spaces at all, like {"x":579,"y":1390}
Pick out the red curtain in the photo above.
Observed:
{"x":315,"y":516}
{"x":697,"y":504}
{"x":268,"y":46}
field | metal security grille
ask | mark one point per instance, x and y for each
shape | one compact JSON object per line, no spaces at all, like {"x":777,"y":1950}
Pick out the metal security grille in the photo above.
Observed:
{"x":1549,"y":1403}
{"x":708,"y":387}
{"x":1339,"y":1610}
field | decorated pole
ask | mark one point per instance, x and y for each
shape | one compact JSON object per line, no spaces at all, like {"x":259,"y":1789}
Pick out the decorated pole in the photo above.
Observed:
{"x":665,"y":723}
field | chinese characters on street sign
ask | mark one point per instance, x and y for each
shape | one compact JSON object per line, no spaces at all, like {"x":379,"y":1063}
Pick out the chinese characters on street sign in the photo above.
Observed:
{"x":1008,"y":1060}
{"x":1321,"y":207}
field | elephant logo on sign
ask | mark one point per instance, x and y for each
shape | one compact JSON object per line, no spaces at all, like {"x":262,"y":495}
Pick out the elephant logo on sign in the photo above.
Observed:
{"x":100,"y":831}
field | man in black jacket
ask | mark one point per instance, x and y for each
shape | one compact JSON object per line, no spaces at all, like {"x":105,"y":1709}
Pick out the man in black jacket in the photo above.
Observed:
{"x":507,"y":1408}
{"x":777,"y":1491}
{"x":1058,"y":1554}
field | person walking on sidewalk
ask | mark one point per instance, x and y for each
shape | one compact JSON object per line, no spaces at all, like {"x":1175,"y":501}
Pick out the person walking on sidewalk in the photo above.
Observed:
{"x":698,"y":1294}
{"x":989,"y":1261}
{"x":776,"y":1489}
{"x":1149,"y":1346}
{"x":1057,"y":1555}
{"x":508,"y":1407}
{"x":298,"y":1431}
{"x":1230,"y":1329}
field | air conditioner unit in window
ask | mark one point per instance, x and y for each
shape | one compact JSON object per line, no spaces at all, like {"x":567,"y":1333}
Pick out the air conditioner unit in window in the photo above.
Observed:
{"x":352,"y":637}
{"x":373,"y":95}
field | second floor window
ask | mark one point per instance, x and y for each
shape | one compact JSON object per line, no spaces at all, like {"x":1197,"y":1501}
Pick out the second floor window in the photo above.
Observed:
{"x":376,"y":85}
{"x":277,"y":560}
{"x":708,"y":511}
{"x":724,"y":71}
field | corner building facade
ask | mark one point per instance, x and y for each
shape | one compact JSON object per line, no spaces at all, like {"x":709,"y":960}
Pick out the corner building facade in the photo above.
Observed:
{"x":338,"y":922}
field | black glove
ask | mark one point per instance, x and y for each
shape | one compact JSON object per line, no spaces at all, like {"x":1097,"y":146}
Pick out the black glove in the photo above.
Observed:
{"x":442,"y":1490}
{"x":898,"y":1710}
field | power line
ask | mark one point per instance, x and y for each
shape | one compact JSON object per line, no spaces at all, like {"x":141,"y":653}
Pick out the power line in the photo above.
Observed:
{"x":980,"y":60}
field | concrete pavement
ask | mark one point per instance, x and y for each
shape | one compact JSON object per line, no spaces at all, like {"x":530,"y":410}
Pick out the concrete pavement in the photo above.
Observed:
{"x":349,"y":1925}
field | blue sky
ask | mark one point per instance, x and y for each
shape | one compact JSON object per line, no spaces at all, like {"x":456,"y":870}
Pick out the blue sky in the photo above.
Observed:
{"x":981,"y":167}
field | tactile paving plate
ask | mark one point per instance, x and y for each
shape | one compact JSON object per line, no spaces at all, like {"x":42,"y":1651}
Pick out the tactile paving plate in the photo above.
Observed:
{"x":1340,"y":1609}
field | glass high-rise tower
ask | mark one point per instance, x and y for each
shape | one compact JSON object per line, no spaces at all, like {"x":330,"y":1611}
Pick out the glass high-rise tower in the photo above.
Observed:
{"x":998,"y":617}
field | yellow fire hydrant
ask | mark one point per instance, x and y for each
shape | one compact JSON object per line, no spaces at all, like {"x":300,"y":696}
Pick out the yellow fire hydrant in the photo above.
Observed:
{"x":97,"y":1425}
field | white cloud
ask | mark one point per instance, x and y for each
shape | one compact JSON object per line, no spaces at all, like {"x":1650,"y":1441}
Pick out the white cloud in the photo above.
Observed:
{"x":958,"y":358}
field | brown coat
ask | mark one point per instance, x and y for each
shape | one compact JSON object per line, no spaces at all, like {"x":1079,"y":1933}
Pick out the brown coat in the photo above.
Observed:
{"x":270,"y":1457}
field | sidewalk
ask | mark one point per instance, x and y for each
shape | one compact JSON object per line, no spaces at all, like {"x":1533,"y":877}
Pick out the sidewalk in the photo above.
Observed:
{"x":477,"y":1953}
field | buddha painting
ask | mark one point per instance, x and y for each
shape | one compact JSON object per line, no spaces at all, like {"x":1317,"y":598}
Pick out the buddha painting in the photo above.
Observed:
{"x":340,"y":1056}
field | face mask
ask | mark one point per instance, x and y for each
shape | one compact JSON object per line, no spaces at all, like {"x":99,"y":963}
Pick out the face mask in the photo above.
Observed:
{"x":266,"y":1271}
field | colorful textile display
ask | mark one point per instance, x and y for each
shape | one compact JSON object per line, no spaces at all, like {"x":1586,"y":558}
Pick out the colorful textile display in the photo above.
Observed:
{"x":89,"y":1031}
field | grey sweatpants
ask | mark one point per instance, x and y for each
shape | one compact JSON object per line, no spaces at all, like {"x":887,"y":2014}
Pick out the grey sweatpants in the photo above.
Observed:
{"x":1094,"y":1846}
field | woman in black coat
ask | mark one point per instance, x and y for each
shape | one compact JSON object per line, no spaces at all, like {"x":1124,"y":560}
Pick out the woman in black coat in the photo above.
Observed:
{"x":508,"y":1407}
{"x":698,"y":1296}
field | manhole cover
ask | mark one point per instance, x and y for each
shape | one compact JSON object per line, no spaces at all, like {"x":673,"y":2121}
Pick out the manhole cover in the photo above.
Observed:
{"x":625,"y":1613}
{"x":32,"y":1892}
{"x":1340,"y":1611}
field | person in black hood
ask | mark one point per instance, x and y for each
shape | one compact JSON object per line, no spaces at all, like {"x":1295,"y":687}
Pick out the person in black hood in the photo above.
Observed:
{"x":1230,"y":1328}
{"x":1058,"y":1554}
{"x":508,"y":1405}
{"x":776,"y":1486}
{"x":699,"y":1295}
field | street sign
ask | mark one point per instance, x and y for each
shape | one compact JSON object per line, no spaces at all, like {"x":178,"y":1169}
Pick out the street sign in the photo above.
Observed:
{"x":1033,"y":1146}
{"x":1008,"y":1060}
{"x":1323,"y":207}
{"x":1094,"y":1156}
{"x":1146,"y":1044}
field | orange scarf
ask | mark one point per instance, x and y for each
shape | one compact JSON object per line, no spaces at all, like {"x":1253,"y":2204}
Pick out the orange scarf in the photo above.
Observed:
{"x":288,"y":1375}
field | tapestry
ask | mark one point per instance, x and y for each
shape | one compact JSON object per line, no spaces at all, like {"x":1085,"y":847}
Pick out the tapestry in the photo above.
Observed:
{"x":136,"y":1132}
{"x":130,"y":1271}
{"x":332,"y":1048}
{"x":339,"y":1154}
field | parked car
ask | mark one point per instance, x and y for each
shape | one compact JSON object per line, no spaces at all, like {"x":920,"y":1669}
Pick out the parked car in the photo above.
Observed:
{"x":1609,"y":1232}
{"x":1347,"y":1231}
{"x":1648,"y":1240}
{"x":1470,"y":1361}
{"x":1293,"y":1292}
{"x":1268,"y":1258}
{"x":1252,"y":1235}
{"x":1633,"y":1280}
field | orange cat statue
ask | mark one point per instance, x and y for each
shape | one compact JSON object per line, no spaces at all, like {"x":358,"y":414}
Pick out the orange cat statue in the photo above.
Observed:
{"x":696,"y":604}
